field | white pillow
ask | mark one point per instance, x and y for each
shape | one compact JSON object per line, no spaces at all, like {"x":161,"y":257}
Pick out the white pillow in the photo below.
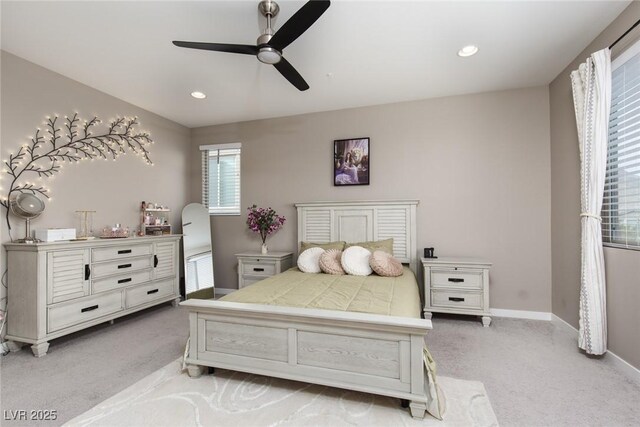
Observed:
{"x":355,"y":261}
{"x":309,"y":260}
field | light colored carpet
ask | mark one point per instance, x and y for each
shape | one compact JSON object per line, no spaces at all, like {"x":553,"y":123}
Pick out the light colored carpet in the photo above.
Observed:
{"x":169,"y":397}
{"x":532,"y":370}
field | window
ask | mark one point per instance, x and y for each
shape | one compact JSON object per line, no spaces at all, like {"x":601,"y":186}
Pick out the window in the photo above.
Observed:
{"x":221,"y":178}
{"x":621,"y":205}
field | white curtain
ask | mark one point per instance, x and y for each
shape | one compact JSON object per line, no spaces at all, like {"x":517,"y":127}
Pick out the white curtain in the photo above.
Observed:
{"x":592,"y":101}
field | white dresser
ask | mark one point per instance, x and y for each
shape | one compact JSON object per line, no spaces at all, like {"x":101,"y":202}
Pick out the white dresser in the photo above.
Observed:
{"x":254,"y":266}
{"x":457,"y":285}
{"x":61,"y":287}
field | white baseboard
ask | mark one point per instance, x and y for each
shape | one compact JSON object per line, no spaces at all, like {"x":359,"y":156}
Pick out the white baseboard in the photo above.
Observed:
{"x":521,"y":314}
{"x":224,"y":291}
{"x":629,"y":370}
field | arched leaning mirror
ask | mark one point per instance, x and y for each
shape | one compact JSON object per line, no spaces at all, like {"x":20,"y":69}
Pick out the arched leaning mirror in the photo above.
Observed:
{"x":198,"y":256}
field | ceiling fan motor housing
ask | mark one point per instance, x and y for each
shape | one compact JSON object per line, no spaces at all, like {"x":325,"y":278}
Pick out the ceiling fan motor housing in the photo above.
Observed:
{"x":268,"y":54}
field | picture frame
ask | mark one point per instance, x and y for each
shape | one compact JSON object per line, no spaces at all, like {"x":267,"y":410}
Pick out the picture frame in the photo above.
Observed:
{"x":351,"y":162}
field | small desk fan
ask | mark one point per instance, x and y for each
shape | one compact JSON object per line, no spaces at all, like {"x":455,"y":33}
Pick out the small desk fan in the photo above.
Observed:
{"x":27,"y":206}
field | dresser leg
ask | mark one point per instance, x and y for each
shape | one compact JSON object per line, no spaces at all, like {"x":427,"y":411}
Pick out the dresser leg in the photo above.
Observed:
{"x":417,"y":409}
{"x":40,"y":350}
{"x":427,"y":315}
{"x":486,"y":321}
{"x":175,"y":302}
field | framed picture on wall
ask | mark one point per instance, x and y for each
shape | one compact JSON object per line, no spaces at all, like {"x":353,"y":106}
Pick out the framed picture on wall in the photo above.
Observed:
{"x":351,"y":161}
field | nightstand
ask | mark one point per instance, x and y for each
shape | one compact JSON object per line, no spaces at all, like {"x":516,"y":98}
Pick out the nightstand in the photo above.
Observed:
{"x":254,"y":266}
{"x":456,"y":285}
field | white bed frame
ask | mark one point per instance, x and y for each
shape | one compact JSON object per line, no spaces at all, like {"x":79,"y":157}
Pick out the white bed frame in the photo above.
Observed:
{"x":356,"y":351}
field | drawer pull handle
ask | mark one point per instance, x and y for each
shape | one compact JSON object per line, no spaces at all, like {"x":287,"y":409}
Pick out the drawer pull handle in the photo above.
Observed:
{"x":124,"y":266}
{"x":258,"y":269}
{"x":155,"y":261}
{"x":124,"y":251}
{"x":124,"y":280}
{"x":456,"y":299}
{"x":93,"y":307}
{"x":87,"y":272}
{"x":152,"y":291}
{"x":455,"y":280}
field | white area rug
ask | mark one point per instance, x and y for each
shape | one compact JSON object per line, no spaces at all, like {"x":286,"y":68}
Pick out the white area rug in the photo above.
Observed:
{"x":168,"y":397}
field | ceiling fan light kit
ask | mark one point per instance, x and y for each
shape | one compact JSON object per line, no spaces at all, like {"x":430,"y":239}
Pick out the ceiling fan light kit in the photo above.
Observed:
{"x":270,"y":45}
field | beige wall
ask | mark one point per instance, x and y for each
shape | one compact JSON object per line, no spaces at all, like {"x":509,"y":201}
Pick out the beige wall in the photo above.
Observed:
{"x":479,"y":164}
{"x":623,"y":266}
{"x":113,"y":189}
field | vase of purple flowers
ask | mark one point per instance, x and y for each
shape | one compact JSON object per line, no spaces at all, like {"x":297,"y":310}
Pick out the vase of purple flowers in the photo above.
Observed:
{"x":264,"y":221}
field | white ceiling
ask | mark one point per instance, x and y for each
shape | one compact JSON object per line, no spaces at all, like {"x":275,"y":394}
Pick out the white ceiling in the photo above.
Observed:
{"x":358,"y":53}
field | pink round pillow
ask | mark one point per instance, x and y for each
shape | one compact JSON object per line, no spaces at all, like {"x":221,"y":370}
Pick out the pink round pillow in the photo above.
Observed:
{"x":330,"y":262}
{"x":384,"y":264}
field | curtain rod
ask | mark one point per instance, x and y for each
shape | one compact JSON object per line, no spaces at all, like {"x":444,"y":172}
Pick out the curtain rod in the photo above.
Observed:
{"x":625,"y":34}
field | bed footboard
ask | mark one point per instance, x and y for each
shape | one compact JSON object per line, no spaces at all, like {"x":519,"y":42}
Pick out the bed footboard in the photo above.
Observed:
{"x":355,"y":351}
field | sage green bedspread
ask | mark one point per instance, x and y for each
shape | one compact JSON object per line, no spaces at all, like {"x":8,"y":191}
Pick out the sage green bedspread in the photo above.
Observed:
{"x":393,"y":296}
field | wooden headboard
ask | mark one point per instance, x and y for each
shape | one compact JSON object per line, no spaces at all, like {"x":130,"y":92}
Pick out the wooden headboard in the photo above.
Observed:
{"x":360,"y":221}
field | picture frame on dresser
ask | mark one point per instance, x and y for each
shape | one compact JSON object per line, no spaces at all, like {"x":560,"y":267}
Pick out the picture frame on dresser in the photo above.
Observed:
{"x":58,"y":288}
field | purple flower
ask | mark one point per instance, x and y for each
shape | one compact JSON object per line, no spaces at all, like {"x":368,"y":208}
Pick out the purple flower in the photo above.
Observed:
{"x":264,"y":221}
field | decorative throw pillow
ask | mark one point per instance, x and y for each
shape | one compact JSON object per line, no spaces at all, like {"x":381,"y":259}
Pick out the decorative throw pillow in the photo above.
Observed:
{"x":309,"y":260}
{"x":355,"y":261}
{"x":330,"y":262}
{"x":385,"y":264}
{"x":379,"y":245}
{"x":326,"y":246}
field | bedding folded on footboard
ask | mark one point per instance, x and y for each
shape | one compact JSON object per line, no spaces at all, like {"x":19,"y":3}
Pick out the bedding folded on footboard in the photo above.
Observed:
{"x":392,"y":296}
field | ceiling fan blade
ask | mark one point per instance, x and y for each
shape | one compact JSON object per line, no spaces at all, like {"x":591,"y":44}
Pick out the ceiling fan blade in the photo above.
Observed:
{"x":220,"y":47}
{"x":290,"y":73}
{"x":299,"y":23}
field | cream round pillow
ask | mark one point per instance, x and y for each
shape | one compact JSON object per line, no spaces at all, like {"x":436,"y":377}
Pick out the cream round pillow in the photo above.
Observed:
{"x":384,"y":264}
{"x":309,"y":260}
{"x":330,"y":262}
{"x":355,"y":261}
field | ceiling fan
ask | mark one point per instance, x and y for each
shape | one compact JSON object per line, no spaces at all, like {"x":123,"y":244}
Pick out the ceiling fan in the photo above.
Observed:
{"x":270,"y":44}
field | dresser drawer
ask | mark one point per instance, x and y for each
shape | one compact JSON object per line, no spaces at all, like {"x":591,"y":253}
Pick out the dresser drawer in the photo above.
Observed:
{"x":451,"y":278}
{"x":121,"y":251}
{"x":146,"y":293}
{"x":69,"y":314}
{"x":454,"y":299}
{"x":120,"y":281}
{"x":120,"y":267}
{"x":259,"y":268}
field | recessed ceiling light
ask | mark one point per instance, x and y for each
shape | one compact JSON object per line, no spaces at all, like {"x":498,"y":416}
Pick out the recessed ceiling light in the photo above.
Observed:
{"x":198,"y":95}
{"x":468,"y":51}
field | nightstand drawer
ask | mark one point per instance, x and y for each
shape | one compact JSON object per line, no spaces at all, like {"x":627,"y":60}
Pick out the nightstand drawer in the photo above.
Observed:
{"x":451,"y":278}
{"x":259,"y":269}
{"x":454,"y":299}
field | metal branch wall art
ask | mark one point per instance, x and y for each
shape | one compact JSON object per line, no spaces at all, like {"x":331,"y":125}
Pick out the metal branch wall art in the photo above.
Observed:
{"x":71,"y":141}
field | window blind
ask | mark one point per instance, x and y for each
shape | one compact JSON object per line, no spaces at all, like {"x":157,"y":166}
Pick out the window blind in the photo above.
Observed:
{"x":221,"y":178}
{"x":621,"y":204}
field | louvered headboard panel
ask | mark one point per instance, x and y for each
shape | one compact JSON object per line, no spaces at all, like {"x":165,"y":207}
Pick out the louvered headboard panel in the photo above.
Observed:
{"x":362,"y":221}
